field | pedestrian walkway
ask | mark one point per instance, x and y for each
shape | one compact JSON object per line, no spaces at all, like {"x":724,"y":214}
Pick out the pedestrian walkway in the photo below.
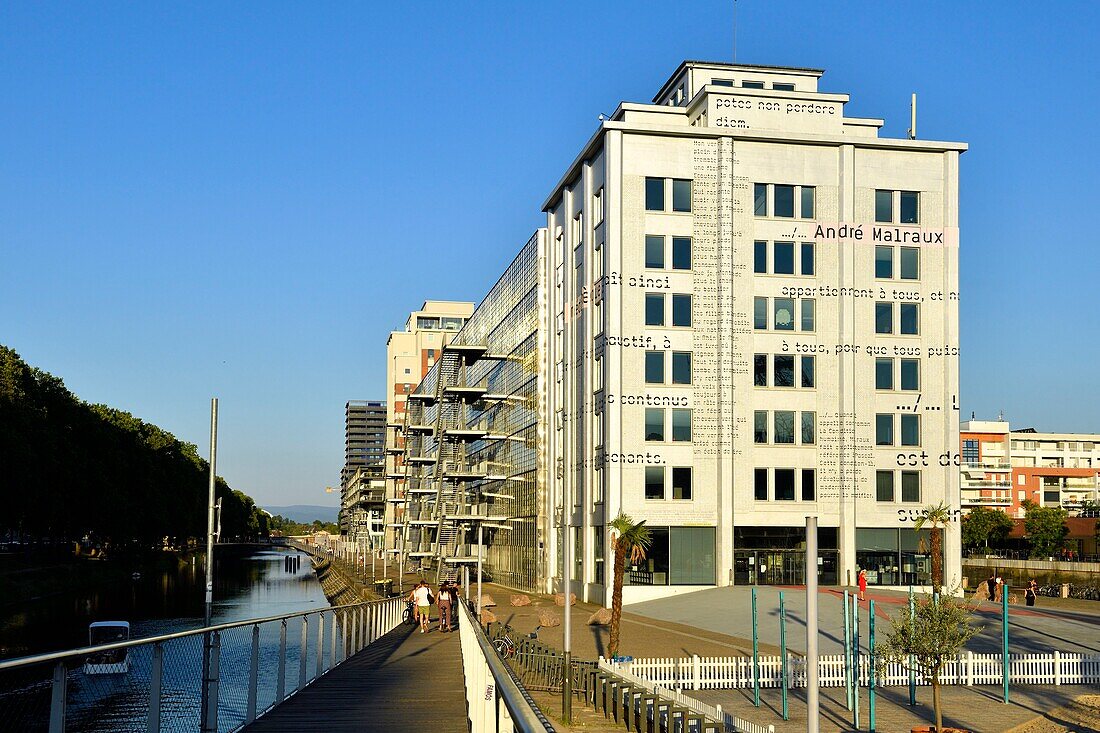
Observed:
{"x":404,"y":681}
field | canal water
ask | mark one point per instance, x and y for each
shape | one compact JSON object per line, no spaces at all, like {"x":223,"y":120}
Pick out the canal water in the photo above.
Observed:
{"x":249,"y":583}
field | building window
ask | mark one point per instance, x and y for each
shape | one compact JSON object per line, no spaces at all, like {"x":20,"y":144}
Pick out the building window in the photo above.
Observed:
{"x":681,"y":425}
{"x":910,"y":429}
{"x":752,"y":84}
{"x":809,"y":428}
{"x":910,"y":318}
{"x":884,"y":206}
{"x":784,"y":484}
{"x":655,"y":367}
{"x":578,"y":230}
{"x":777,"y":86}
{"x":760,"y":257}
{"x":783,"y":201}
{"x":597,"y":208}
{"x":910,"y":263}
{"x":654,"y":194}
{"x":884,"y":262}
{"x":808,"y":365}
{"x":971,"y":453}
{"x":760,"y":314}
{"x":808,"y":308}
{"x":783,"y":258}
{"x":783,"y":314}
{"x":760,"y":426}
{"x":681,"y":310}
{"x":681,"y":195}
{"x":786,"y":201}
{"x":884,"y":485}
{"x":760,"y":199}
{"x":598,"y":534}
{"x":654,"y":252}
{"x":910,"y":374}
{"x":681,"y":367}
{"x":807,"y":259}
{"x":884,"y":373}
{"x":783,"y":370}
{"x":654,"y":424}
{"x":760,"y":370}
{"x":884,"y":429}
{"x":722,"y":82}
{"x":681,"y":483}
{"x":681,"y":253}
{"x":783,"y":421}
{"x":807,"y":200}
{"x":655,"y":482}
{"x":910,"y":486}
{"x":884,"y":317}
{"x":760,"y":484}
{"x":654,"y":309}
{"x":809,"y":481}
{"x":910,"y":207}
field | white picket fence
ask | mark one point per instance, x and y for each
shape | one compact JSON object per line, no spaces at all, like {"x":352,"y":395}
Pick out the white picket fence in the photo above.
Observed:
{"x":730,"y":723}
{"x":701,"y":673}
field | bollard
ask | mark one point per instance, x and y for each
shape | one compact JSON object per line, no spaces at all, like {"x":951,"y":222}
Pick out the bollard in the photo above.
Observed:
{"x":871,"y":650}
{"x":783,"y":681}
{"x":755,"y":655}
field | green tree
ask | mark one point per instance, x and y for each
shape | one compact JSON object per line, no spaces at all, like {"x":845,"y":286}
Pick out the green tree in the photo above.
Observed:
{"x":981,"y":525}
{"x":936,"y":633}
{"x":936,"y":516}
{"x":628,"y":539}
{"x":1045,"y":529}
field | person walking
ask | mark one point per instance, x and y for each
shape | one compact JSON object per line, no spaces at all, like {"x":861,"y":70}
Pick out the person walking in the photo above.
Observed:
{"x":443,"y":599}
{"x":991,"y":586}
{"x":863,"y":585}
{"x":1029,"y":594}
{"x":422,"y":595}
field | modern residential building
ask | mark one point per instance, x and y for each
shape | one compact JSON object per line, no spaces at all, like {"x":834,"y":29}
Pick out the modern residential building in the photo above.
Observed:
{"x":1001,"y":468}
{"x":364,"y":455}
{"x":742,"y":311}
{"x":409,"y":355}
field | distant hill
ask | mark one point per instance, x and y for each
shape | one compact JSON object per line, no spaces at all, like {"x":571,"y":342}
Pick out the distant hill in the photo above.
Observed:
{"x":305,"y":513}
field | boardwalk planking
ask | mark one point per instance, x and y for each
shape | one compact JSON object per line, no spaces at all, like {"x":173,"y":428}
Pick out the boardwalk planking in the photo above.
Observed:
{"x":405,"y":681}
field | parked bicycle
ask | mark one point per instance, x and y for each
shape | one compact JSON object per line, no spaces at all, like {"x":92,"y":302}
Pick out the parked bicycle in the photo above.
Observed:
{"x":505,"y":646}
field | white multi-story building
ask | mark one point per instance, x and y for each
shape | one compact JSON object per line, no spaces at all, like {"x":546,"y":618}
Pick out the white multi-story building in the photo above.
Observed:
{"x":749,"y":315}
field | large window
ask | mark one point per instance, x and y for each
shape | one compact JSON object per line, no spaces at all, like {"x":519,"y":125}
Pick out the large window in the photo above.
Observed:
{"x":783,"y":258}
{"x":784,"y":426}
{"x":784,"y":484}
{"x":783,"y":370}
{"x":884,"y":262}
{"x":681,"y":367}
{"x":884,"y":206}
{"x":783,"y":318}
{"x":655,"y":194}
{"x":884,"y":485}
{"x":657,"y":200}
{"x":654,"y":424}
{"x":681,"y":195}
{"x":681,"y":309}
{"x":910,"y":486}
{"x":654,"y":309}
{"x":681,"y":483}
{"x":884,"y":317}
{"x":655,"y":482}
{"x":910,"y":207}
{"x":884,"y":429}
{"x":676,"y":556}
{"x":783,"y":200}
{"x":884,"y":373}
{"x":910,"y":429}
{"x":655,"y":367}
{"x":681,"y":425}
{"x":654,"y":251}
{"x":905,"y":203}
{"x":910,"y":318}
{"x":681,"y":253}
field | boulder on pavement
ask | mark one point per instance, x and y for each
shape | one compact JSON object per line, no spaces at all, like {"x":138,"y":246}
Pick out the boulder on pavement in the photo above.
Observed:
{"x":559,"y":598}
{"x":548,"y":619}
{"x":602,"y":617}
{"x":521,"y":600}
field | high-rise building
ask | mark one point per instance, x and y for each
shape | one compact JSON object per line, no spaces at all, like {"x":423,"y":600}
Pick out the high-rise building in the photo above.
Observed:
{"x":364,"y":462}
{"x":742,"y":311}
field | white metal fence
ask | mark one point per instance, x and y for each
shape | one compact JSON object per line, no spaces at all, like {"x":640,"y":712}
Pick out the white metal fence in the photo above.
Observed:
{"x":701,"y":673}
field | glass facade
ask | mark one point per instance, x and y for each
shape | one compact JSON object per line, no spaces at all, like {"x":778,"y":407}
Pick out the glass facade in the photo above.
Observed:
{"x":676,"y":556}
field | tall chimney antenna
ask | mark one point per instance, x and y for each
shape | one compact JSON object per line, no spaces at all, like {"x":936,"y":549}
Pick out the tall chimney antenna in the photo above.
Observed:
{"x":913,"y":117}
{"x":735,"y":31}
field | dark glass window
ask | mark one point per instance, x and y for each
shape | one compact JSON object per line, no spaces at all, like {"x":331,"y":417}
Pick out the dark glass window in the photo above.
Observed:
{"x":654,"y":482}
{"x":760,"y":426}
{"x":910,"y":318}
{"x":884,"y":261}
{"x":681,"y":367}
{"x":654,"y":194}
{"x":760,"y":314}
{"x":681,"y":253}
{"x":752,"y":84}
{"x":910,"y":486}
{"x":783,"y":254}
{"x":681,"y":425}
{"x":910,"y":429}
{"x":884,"y":373}
{"x":783,"y":201}
{"x":884,"y":206}
{"x":809,"y":479}
{"x":760,"y":199}
{"x":784,"y":484}
{"x":681,"y":310}
{"x":910,"y":263}
{"x":807,"y":262}
{"x":809,"y":428}
{"x":910,"y":374}
{"x":784,"y":426}
{"x":692,"y":556}
{"x":808,"y":368}
{"x":722,"y":82}
{"x":654,"y":367}
{"x":808,"y":202}
{"x":779,"y":87}
{"x":760,"y":257}
{"x":681,"y":195}
{"x":783,"y":374}
{"x":910,"y":207}
{"x":783,"y":314}
{"x":654,"y":424}
{"x":884,"y":429}
{"x":884,"y":485}
{"x":760,"y":370}
{"x":971,"y":452}
{"x":760,"y":484}
{"x":654,"y":309}
{"x":681,"y":483}
{"x":654,"y":251}
{"x":884,"y":317}
{"x":809,"y":305}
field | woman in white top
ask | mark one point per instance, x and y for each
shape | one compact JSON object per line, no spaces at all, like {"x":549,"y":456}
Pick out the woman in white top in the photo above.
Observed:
{"x":422,"y":597}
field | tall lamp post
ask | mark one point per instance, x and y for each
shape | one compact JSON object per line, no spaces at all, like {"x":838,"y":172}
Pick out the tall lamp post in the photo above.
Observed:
{"x":209,"y":702}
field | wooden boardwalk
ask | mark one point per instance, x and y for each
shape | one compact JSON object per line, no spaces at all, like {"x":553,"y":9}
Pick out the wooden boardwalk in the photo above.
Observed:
{"x":405,"y":681}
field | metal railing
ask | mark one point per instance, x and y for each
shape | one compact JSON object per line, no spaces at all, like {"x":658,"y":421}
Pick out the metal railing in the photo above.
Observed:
{"x":155,"y":684}
{"x":496,"y":702}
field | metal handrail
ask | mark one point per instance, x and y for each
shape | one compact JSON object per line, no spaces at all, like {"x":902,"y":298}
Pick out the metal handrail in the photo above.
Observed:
{"x":88,"y":650}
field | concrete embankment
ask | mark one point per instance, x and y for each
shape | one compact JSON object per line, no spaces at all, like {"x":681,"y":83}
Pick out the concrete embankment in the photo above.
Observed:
{"x":339,"y":585}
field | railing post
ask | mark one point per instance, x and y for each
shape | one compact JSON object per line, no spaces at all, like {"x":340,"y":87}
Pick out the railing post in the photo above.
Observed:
{"x":303,"y":653}
{"x":281,"y":681}
{"x":253,"y":675}
{"x":58,"y":694}
{"x":332,"y":661}
{"x":215,"y":679}
{"x":1057,"y":667}
{"x":156,"y":675}
{"x":320,"y":644}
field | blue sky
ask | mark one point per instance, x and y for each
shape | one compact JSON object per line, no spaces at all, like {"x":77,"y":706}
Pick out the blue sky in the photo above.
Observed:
{"x":201,"y":199}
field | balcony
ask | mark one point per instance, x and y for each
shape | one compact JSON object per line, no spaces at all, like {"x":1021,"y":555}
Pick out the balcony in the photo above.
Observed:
{"x":985,"y":484}
{"x":994,"y":465}
{"x":985,"y":501}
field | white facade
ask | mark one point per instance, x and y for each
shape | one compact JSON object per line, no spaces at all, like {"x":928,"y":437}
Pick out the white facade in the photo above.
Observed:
{"x":824,"y":295}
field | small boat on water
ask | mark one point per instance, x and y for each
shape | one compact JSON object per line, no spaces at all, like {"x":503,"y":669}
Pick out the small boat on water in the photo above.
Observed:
{"x":111,"y":661}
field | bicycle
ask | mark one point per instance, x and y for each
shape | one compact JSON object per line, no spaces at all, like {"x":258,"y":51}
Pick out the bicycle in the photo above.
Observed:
{"x":408,"y":616}
{"x":505,"y":646}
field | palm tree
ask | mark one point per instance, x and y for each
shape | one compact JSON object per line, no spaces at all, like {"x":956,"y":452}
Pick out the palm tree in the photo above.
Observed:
{"x":627,"y":538}
{"x":936,"y":516}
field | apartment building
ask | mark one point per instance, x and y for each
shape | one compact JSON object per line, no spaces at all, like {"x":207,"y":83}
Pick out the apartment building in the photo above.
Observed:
{"x":364,"y":456}
{"x":1001,"y":467}
{"x":745,"y":313}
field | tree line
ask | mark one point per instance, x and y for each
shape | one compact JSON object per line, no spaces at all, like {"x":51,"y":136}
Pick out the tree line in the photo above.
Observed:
{"x":1045,"y":528}
{"x":289,"y":528}
{"x":80,"y":472}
